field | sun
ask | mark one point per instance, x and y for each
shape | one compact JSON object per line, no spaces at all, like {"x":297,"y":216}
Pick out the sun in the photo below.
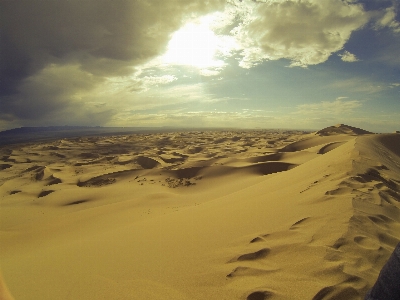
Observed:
{"x":195,"y":44}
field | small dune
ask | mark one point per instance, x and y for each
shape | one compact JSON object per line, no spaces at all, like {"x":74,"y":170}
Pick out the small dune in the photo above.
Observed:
{"x":97,"y":181}
{"x":194,"y":149}
{"x":270,"y":167}
{"x":53,"y":180}
{"x":147,"y":162}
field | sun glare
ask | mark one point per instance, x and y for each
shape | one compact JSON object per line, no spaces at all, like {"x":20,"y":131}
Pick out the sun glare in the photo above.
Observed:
{"x":195,"y":44}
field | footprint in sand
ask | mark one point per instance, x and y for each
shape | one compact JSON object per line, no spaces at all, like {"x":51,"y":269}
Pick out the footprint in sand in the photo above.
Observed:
{"x":75,"y":202}
{"x":44,"y":193}
{"x":300,"y":222}
{"x":339,"y":191}
{"x":257,"y":240}
{"x":260,"y":295}
{"x":248,"y":271}
{"x":381,"y":221}
{"x":388,"y":239}
{"x":366,"y":243}
{"x":14,"y":192}
{"x":337,"y":292}
{"x":252,"y":255}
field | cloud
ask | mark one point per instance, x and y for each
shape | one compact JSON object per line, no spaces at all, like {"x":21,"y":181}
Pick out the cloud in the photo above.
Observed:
{"x":337,"y":107}
{"x":209,"y":72}
{"x":94,"y":39}
{"x":247,"y":119}
{"x":348,"y":57}
{"x":156,"y":98}
{"x":305,"y":32}
{"x":156,"y":80}
{"x":314,"y":119}
{"x":387,"y":18}
{"x":146,"y":82}
{"x":358,"y":84}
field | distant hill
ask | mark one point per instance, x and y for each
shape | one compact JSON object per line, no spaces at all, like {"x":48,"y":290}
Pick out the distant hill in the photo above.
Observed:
{"x":342,"y":129}
{"x":35,"y":134}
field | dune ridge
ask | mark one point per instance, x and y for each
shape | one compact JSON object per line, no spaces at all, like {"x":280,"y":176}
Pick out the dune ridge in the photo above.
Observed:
{"x":373,"y":229}
{"x":342,"y":129}
{"x":199,"y":215}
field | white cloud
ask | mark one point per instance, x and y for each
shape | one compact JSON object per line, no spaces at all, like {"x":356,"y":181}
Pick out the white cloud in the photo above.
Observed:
{"x":328,"y":108}
{"x":156,"y":80}
{"x":138,"y":83}
{"x":357,"y":84}
{"x":388,"y":19}
{"x":200,"y":118}
{"x":305,"y":32}
{"x":348,"y":57}
{"x":208,"y":72}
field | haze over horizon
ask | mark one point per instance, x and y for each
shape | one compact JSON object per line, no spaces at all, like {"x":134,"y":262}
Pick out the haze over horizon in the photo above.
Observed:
{"x":268,"y":63}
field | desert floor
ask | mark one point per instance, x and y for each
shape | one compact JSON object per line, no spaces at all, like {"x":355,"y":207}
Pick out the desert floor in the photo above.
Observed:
{"x":254,"y":215}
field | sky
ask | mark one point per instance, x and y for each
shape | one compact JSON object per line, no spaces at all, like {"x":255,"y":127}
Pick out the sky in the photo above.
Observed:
{"x":298,"y":64}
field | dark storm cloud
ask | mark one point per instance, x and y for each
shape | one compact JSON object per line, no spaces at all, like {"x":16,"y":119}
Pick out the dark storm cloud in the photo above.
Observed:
{"x":53,"y":50}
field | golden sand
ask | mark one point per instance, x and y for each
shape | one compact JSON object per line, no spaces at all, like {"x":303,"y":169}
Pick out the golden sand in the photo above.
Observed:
{"x":200,"y":215}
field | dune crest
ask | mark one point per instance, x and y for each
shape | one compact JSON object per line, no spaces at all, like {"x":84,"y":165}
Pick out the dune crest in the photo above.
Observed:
{"x":200,"y":215}
{"x":342,"y":129}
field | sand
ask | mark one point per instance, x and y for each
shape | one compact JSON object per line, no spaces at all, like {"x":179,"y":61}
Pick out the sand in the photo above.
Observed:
{"x":200,"y":215}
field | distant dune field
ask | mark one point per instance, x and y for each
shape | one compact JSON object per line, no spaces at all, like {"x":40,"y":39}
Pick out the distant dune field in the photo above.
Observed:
{"x":251,"y":215}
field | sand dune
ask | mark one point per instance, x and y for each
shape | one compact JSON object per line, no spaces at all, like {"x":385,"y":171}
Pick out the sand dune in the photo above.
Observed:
{"x":342,"y":129}
{"x":200,"y":215}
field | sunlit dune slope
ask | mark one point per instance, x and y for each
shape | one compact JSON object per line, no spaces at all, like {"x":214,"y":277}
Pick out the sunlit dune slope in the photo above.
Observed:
{"x":202,"y":215}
